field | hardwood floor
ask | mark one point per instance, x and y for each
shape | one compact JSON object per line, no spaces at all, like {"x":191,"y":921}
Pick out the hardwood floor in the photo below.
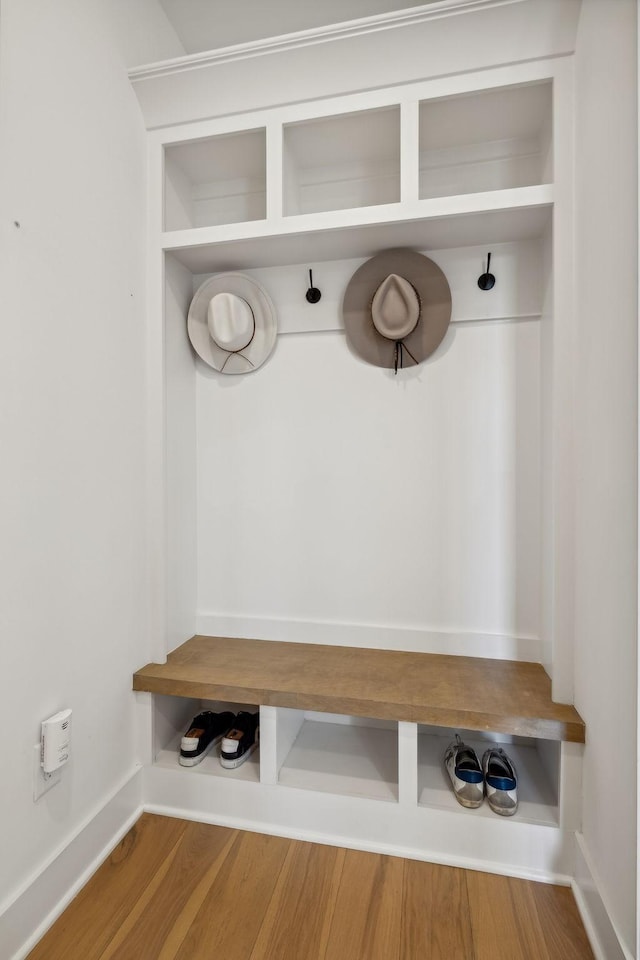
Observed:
{"x":177,"y":890}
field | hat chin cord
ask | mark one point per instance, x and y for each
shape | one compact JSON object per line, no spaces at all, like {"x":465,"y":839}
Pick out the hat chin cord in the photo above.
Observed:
{"x":399,"y":347}
{"x":229,"y":319}
{"x":239,"y":353}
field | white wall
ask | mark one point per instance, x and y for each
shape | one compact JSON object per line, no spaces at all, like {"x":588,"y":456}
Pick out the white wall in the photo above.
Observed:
{"x":142,"y":31}
{"x":72,"y":391}
{"x":208,"y":24}
{"x":606,"y":444}
{"x":362,"y":507}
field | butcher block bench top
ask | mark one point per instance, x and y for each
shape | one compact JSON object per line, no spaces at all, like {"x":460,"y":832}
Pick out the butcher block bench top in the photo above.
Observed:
{"x":470,"y":693}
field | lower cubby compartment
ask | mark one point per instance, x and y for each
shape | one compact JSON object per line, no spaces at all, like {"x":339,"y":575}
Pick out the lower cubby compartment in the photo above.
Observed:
{"x":537,"y":764}
{"x":331,"y":753}
{"x":372,"y":759}
{"x":172,"y":721}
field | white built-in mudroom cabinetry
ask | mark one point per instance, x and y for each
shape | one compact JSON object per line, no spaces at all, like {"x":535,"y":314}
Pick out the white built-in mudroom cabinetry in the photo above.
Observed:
{"x":321,"y":500}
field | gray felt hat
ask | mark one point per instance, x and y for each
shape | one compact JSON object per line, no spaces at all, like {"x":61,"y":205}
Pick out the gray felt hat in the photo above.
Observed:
{"x":396,"y":308}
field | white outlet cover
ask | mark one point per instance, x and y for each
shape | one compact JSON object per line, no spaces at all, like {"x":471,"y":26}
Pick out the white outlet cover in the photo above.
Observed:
{"x":42,"y":782}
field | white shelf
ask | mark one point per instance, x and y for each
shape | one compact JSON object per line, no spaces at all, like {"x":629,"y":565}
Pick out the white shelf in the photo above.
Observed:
{"x":486,"y":153}
{"x":218,"y":180}
{"x":443,"y":223}
{"x":341,"y":758}
{"x":210,"y":766}
{"x":491,"y":140}
{"x":340,"y":162}
{"x":538,"y":802}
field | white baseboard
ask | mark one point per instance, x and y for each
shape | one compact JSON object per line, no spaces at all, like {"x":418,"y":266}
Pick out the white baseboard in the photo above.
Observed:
{"x":455,"y":642}
{"x":604,"y":939}
{"x":436,"y":834}
{"x":326,"y":838}
{"x":41,"y":900}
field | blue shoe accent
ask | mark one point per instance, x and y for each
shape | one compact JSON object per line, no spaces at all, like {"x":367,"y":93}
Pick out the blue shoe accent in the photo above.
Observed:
{"x":502,"y":783}
{"x":469,"y":776}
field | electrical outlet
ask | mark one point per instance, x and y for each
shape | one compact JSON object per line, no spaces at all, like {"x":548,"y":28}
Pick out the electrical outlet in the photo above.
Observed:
{"x":42,"y":781}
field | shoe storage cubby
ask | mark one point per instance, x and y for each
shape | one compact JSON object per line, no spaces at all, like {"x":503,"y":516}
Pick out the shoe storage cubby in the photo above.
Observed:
{"x":220,"y":180}
{"x":171,"y":721}
{"x":334,"y":753}
{"x":334,"y":163}
{"x":355,"y":757}
{"x":491,"y":140}
{"x":537,"y":764}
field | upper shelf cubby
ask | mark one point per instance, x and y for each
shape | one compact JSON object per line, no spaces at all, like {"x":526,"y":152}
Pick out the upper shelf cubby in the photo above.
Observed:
{"x":488,"y":140}
{"x":435,"y":168}
{"x":341,"y":162}
{"x":215,"y":181}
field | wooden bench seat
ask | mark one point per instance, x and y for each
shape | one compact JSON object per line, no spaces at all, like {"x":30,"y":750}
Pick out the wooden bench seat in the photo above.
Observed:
{"x":504,"y":696}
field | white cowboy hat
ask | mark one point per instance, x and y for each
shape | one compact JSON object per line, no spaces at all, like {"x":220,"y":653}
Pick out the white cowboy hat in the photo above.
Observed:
{"x":232,"y":323}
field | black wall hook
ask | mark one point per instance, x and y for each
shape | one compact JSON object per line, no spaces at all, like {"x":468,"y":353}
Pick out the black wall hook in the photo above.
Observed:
{"x":487,"y":280}
{"x":312,"y":294}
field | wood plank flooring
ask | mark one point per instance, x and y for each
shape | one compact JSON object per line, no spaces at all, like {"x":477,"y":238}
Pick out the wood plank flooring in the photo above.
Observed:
{"x":177,"y":890}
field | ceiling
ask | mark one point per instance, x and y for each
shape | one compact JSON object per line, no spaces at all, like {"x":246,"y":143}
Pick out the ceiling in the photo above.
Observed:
{"x":209,"y":24}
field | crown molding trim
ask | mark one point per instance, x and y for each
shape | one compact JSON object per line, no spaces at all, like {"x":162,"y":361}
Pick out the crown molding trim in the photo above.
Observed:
{"x":304,"y":38}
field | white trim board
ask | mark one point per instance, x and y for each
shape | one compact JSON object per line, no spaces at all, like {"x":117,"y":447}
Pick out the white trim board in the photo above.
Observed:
{"x":367,"y":846}
{"x":26,"y":918}
{"x":181,"y":92}
{"x":305,"y":38}
{"x":518,"y":265}
{"x":376,"y":636}
{"x":603,"y":937}
{"x":450,"y":837}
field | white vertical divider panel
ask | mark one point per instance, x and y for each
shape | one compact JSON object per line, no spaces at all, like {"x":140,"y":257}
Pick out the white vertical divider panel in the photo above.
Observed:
{"x":562,"y":390}
{"x":547,"y":568}
{"x":171,"y":716}
{"x":289,"y":726}
{"x":156,"y":476}
{"x":409,"y":151}
{"x":144,"y":727}
{"x":407,"y":763}
{"x":180,"y":460}
{"x":275,"y":169}
{"x":570,"y":786}
{"x":268,"y":744}
{"x":279,"y":727}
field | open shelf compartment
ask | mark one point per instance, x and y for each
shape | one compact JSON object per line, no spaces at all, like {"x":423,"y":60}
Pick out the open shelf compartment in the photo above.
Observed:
{"x":172,"y":717}
{"x":537,"y":764}
{"x":333,"y":753}
{"x":215,"y":181}
{"x":491,"y":140}
{"x":337,"y":163}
